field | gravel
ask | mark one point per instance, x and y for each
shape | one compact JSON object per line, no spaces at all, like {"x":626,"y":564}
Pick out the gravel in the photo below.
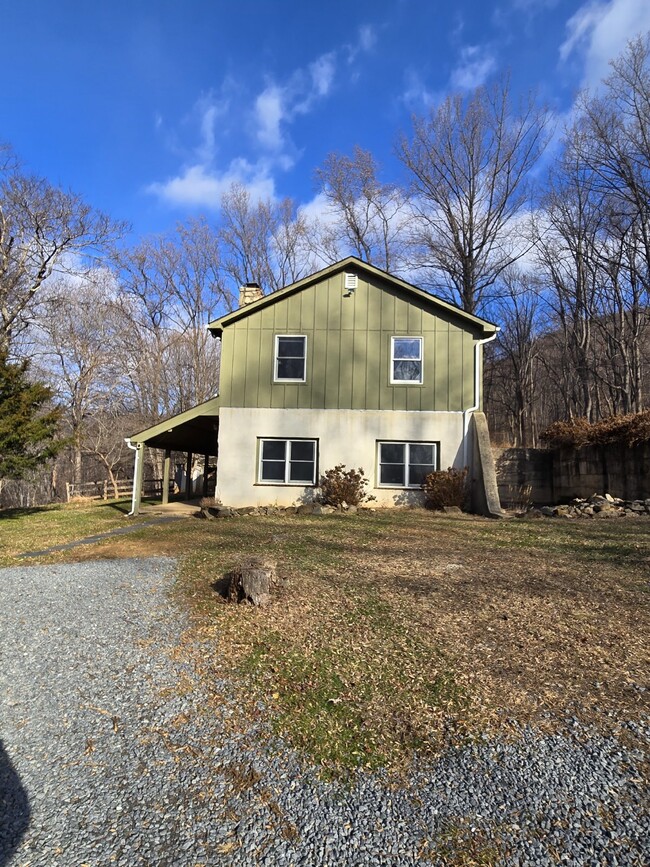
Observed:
{"x":113,"y":754}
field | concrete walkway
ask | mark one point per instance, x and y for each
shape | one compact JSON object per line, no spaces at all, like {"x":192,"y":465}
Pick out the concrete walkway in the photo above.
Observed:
{"x":180,"y":508}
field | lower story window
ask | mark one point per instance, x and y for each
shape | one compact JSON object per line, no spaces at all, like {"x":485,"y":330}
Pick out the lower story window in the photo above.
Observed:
{"x":406,"y":465}
{"x":288,"y":462}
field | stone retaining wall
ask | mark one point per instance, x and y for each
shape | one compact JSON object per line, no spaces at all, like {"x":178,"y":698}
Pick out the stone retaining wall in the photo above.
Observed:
{"x":560,"y":475}
{"x":518,"y":468}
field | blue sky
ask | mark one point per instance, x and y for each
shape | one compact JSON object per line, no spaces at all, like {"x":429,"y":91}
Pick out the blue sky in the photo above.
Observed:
{"x":151,"y":108}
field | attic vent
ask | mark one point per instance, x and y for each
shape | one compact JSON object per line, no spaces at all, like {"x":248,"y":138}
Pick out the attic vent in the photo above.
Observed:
{"x":351,"y":281}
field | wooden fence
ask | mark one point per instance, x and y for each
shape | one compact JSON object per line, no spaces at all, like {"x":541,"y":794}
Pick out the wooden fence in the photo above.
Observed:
{"x":103,"y":489}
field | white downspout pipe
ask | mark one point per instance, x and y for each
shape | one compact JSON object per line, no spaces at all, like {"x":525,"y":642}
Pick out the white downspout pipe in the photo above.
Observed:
{"x":477,"y":391}
{"x":138,"y":456}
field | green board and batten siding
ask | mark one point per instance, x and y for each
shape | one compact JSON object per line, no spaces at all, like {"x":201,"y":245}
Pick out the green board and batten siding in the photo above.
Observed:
{"x":348,"y":351}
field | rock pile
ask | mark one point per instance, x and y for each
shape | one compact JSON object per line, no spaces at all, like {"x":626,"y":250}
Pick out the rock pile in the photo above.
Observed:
{"x":211,"y":512}
{"x":597,"y":506}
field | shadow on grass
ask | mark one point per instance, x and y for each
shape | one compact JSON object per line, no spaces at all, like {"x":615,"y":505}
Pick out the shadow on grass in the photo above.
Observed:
{"x":121,"y":506}
{"x":124,"y":506}
{"x":23,"y":513}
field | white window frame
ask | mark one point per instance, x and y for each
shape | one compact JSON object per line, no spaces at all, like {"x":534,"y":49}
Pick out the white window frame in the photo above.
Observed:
{"x":287,"y":461}
{"x":407,"y":460}
{"x":276,"y":358}
{"x":394,"y":381}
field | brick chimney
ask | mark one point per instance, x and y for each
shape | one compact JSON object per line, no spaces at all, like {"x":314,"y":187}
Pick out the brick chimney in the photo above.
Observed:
{"x":249,"y":293}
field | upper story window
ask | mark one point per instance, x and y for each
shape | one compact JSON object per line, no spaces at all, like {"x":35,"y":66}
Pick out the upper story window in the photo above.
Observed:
{"x":406,"y":360}
{"x":290,"y":358}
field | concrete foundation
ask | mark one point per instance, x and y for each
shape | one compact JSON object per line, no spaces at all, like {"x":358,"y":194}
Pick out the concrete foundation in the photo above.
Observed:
{"x":347,"y":437}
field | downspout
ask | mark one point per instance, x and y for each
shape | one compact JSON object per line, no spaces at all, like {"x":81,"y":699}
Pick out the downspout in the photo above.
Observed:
{"x":477,"y":392}
{"x":138,"y":457}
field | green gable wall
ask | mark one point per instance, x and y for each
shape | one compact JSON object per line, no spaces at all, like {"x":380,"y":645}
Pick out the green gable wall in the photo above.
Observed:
{"x":348,"y":352}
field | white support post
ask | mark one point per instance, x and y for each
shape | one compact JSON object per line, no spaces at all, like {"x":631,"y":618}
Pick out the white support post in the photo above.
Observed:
{"x":138,"y":473}
{"x":165,"y":484}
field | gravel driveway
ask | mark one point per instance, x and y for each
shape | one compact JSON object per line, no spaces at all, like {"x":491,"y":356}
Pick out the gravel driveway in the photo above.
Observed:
{"x":111,"y":755}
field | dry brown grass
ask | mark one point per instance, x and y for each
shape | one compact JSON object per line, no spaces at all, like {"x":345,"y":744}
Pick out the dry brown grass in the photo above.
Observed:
{"x":408,"y":629}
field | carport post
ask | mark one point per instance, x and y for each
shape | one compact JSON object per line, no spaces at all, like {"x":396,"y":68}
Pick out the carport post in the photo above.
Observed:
{"x":205,"y":475}
{"x":165,"y":484}
{"x":138,"y":474}
{"x":188,"y":477}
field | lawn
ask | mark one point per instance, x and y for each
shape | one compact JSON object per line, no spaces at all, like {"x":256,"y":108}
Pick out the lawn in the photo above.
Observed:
{"x":33,"y":529}
{"x":407,"y":630}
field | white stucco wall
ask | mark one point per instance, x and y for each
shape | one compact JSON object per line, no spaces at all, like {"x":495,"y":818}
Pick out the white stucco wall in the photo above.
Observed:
{"x":344,"y":437}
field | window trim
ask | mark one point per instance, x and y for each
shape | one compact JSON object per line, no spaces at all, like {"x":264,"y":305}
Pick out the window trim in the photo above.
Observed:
{"x":276,"y":359}
{"x":407,"y":461}
{"x":394,"y":381}
{"x":287,"y":483}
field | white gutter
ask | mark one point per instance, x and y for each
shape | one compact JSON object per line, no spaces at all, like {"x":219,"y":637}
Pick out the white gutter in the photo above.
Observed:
{"x":477,"y":391}
{"x":138,"y":457}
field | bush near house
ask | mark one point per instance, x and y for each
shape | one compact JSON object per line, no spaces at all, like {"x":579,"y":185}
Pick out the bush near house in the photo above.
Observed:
{"x":446,"y":488}
{"x":627,"y":430}
{"x":340,"y":486}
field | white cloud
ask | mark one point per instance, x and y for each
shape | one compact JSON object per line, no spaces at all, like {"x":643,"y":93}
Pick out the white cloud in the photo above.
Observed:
{"x":278,"y":104}
{"x":476,"y":65}
{"x":599,"y":31}
{"x":210,"y":113}
{"x":366,"y":41}
{"x":416,"y":95}
{"x":262,"y":124}
{"x":322,"y":74}
{"x":269,"y":114}
{"x":200,"y":186}
{"x":319,"y":209}
{"x":367,"y":37}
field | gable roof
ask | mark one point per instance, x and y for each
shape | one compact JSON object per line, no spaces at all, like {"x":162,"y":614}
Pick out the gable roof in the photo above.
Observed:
{"x":475,"y":323}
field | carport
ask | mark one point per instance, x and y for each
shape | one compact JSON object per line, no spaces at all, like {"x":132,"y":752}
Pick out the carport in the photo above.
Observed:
{"x":194,"y":432}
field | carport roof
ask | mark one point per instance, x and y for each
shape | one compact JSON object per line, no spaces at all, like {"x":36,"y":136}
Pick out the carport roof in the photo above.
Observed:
{"x":194,"y":430}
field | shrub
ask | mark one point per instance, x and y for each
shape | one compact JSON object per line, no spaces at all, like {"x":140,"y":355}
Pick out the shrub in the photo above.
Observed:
{"x":446,"y":488}
{"x":339,"y":486}
{"x":628,"y":430}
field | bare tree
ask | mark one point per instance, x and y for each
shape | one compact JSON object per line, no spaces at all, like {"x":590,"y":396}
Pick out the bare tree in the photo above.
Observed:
{"x":104,"y":440}
{"x":170,"y":287}
{"x":470,"y":161}
{"x":514,"y":361}
{"x":569,"y":233}
{"x":370,"y":217}
{"x":292,"y":244}
{"x":616,"y":141}
{"x":42,"y":229}
{"x":615,"y":151}
{"x":593,"y":243}
{"x":263,"y":242}
{"x":75,"y":349}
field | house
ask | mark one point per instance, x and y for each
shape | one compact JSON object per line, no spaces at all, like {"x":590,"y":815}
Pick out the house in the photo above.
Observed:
{"x":350,"y":365}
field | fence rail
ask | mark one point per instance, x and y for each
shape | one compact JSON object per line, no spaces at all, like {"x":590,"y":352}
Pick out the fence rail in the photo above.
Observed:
{"x":103,"y":489}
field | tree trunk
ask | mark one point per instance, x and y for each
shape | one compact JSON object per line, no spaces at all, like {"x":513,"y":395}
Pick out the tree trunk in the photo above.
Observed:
{"x":251,"y":581}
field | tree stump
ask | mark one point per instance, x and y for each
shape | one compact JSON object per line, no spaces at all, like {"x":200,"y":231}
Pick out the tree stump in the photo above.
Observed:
{"x":251,"y":581}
